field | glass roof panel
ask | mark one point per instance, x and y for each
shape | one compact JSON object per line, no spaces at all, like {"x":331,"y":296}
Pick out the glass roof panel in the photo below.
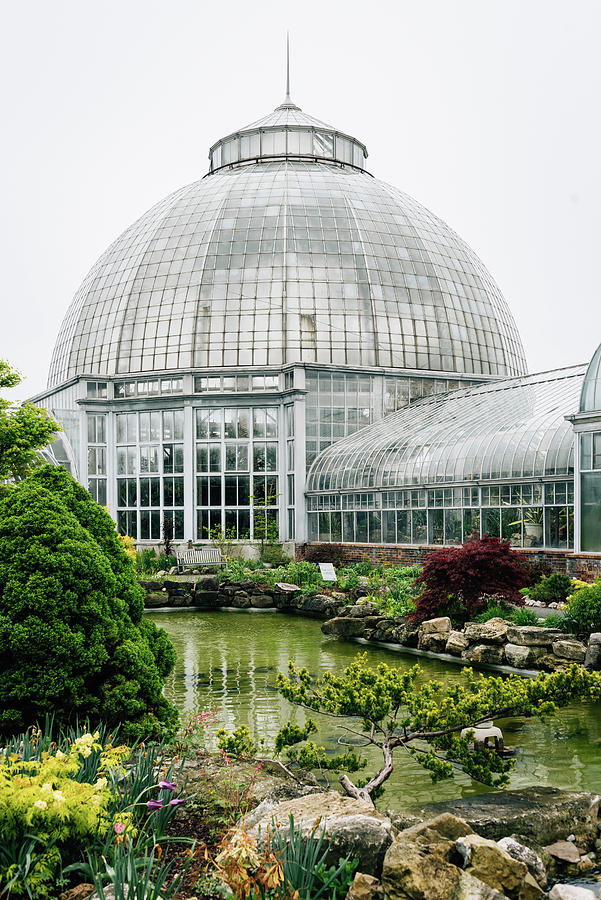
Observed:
{"x":515,"y":428}
{"x":591,"y":390}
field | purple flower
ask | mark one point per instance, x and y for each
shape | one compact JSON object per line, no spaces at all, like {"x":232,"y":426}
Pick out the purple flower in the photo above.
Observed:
{"x":155,"y":804}
{"x":167,"y":785}
{"x":177,"y":801}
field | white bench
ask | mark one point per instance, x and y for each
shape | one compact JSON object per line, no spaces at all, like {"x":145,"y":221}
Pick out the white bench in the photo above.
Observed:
{"x":205,"y":556}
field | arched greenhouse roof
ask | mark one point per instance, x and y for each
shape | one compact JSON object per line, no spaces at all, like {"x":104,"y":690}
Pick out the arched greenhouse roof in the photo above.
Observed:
{"x":590,"y":400}
{"x":514,"y":428}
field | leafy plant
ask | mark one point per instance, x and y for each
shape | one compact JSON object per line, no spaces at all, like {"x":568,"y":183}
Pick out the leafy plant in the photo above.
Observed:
{"x":304,"y":868}
{"x":524,"y":617}
{"x":426,"y":720}
{"x":131,"y":876}
{"x":457,"y":580}
{"x":238,"y":742}
{"x":494,"y":610}
{"x":24,"y":431}
{"x":554,"y":622}
{"x":73,"y":642}
{"x":224,"y":540}
{"x":583,"y":613}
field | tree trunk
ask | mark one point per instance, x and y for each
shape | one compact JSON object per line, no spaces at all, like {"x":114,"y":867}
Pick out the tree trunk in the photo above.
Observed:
{"x":355,"y":792}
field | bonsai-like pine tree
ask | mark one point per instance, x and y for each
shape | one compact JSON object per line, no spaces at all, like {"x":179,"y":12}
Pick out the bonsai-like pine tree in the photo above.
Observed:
{"x":73,"y":642}
{"x":425,"y":720}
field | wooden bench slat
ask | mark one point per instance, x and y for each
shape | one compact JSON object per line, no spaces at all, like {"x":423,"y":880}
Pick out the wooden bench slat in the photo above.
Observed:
{"x":205,"y":556}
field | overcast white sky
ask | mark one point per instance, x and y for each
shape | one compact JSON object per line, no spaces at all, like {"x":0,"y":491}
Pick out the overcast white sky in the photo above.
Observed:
{"x":486,"y":111}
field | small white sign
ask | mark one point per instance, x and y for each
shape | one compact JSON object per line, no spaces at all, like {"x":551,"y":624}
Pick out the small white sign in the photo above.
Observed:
{"x":327,"y":572}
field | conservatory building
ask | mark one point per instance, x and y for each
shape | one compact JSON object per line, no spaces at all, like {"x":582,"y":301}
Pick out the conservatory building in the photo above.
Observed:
{"x":291,"y":341}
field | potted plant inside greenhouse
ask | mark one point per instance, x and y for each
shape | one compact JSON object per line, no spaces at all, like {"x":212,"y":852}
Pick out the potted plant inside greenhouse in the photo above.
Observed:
{"x":533,"y":523}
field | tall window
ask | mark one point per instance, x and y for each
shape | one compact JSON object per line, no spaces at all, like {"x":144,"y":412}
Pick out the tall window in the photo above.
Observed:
{"x":590,"y":490}
{"x":236,"y":470}
{"x":150,"y":473}
{"x":97,"y":458}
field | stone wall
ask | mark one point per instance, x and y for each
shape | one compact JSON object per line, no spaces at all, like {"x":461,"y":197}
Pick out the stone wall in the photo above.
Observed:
{"x":585,"y":566}
{"x":496,"y":642}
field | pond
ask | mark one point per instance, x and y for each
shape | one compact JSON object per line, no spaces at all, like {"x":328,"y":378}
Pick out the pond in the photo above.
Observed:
{"x":230,"y":661}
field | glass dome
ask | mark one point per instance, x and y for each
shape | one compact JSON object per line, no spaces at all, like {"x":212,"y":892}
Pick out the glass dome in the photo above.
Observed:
{"x":590,"y":401}
{"x":287,"y":251}
{"x":511,"y":429}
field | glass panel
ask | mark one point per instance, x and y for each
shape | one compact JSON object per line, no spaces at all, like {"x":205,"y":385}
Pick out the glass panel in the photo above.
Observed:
{"x":491,"y":524}
{"x":591,"y":512}
{"x":452,"y":526}
{"x":511,"y":526}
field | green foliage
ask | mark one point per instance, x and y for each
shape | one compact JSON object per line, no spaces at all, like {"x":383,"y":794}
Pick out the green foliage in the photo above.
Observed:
{"x":291,"y":734}
{"x":50,"y":812}
{"x":303,"y":861}
{"x":524,"y":617}
{"x":554,"y":622}
{"x":347,"y":578}
{"x":224,"y":540}
{"x":24,"y":430}
{"x":494,"y":610}
{"x":583,"y":613}
{"x":132,"y":876}
{"x":147,"y":561}
{"x":306,"y":575}
{"x":552,"y":589}
{"x":237,"y":742}
{"x":75,"y":796}
{"x":426,"y":719}
{"x":72,"y":639}
{"x":393,"y":589}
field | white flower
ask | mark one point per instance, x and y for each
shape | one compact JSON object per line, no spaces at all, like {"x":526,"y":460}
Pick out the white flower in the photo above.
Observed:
{"x":60,"y":754}
{"x":41,"y":804}
{"x":101,"y":784}
{"x":46,"y":788}
{"x":59,"y":796}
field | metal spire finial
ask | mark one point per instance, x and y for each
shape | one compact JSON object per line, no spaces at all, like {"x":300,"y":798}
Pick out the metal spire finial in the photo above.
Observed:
{"x":287,"y":67}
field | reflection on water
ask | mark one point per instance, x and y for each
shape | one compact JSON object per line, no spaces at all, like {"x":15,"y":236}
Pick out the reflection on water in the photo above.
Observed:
{"x":230,"y":661}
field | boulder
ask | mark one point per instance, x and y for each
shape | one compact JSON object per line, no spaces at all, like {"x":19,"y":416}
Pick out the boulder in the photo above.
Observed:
{"x":207,"y":598}
{"x":406,"y":633}
{"x":438,"y":835}
{"x":492,"y":632}
{"x":521,"y":657}
{"x":565,"y":851}
{"x":435,"y":642}
{"x":240,"y":600}
{"x":206,"y":583}
{"x":538,"y":814}
{"x":411,"y":872}
{"x":441,"y":625}
{"x":485,"y":860}
{"x":456,"y":643}
{"x":524,"y":854}
{"x":592,"y":660}
{"x":365,"y":887}
{"x":548,"y":662}
{"x":261,"y":601}
{"x":533,"y":635}
{"x":287,"y":588}
{"x":490,"y":654}
{"x":360,"y":610}
{"x":571,"y":892}
{"x":315,"y":606}
{"x":351,"y":828}
{"x":344,"y":627}
{"x":570,"y":649}
{"x":154,"y":599}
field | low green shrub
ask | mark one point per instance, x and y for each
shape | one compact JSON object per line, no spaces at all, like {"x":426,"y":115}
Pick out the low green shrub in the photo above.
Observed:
{"x":493,"y":611}
{"x":553,"y":588}
{"x":583,"y":612}
{"x":524,"y":617}
{"x":554,"y":622}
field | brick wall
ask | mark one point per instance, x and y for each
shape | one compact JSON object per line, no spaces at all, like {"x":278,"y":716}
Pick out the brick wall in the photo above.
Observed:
{"x":583,"y":566}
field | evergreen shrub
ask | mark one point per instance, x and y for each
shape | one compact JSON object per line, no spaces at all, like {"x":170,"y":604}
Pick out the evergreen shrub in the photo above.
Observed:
{"x":73,"y":643}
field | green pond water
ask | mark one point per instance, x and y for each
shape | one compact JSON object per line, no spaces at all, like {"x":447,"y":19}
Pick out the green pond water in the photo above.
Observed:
{"x":229,"y":661}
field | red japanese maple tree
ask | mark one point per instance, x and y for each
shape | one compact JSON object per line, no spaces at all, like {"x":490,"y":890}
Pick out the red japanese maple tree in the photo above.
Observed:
{"x":459,"y":581}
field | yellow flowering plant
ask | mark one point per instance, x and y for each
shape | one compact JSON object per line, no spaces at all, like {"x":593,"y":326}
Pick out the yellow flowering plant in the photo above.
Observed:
{"x":46,"y":800}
